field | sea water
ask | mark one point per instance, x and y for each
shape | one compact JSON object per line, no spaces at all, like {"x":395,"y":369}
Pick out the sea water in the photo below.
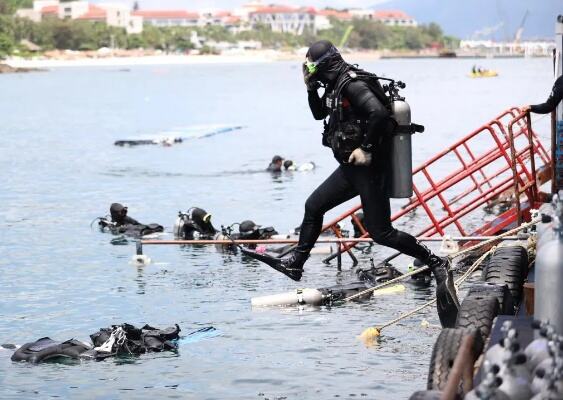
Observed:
{"x":61,"y":278}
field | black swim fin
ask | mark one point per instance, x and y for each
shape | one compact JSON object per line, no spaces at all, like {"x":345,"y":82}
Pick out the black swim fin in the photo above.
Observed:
{"x":447,"y":305}
{"x":279,"y":264}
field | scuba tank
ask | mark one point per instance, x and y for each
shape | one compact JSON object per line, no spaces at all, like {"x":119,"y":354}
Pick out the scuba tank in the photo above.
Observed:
{"x":488,"y":389}
{"x":549,"y":274}
{"x":537,"y":350}
{"x":506,"y":346}
{"x":515,"y":378}
{"x":179,"y":225}
{"x":400,"y":176}
{"x":549,"y":373}
{"x":312,"y":297}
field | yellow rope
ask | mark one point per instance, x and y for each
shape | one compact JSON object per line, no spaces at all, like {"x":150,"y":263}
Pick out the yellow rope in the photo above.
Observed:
{"x":369,"y":334}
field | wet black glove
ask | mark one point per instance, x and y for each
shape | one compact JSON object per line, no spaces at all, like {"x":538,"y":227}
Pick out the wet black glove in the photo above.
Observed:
{"x":311,"y":83}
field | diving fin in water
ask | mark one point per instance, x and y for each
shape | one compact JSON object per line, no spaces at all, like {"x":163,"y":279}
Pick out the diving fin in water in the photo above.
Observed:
{"x":284,"y":265}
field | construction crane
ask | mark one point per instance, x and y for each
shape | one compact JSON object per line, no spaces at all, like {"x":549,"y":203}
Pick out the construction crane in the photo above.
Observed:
{"x":520,"y":29}
{"x":346,"y":36}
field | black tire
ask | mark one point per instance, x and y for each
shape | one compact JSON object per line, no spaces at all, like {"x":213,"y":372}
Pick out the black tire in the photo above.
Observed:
{"x":444,"y":353}
{"x":500,"y":291}
{"x":478,"y":313}
{"x":508,"y":265}
{"x":426,"y":395}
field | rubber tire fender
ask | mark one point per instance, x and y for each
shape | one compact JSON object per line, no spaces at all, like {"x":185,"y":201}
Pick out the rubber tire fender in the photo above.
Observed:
{"x":426,"y":395}
{"x":500,"y":291}
{"x":478,"y":312}
{"x":444,"y":353}
{"x":508,"y":265}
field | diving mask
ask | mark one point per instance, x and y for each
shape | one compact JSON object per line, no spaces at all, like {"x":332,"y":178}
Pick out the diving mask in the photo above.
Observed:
{"x":313,"y":66}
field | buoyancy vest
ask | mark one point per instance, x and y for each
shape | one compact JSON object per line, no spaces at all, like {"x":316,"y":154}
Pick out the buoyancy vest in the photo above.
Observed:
{"x":46,"y":348}
{"x":126,"y":339}
{"x":345,"y":130}
{"x":133,"y":230}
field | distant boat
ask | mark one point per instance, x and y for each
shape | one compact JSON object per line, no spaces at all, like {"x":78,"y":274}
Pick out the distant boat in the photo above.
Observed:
{"x":447,"y":54}
{"x":488,"y":73}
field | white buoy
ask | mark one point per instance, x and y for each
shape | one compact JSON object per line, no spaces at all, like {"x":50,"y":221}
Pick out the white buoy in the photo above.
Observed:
{"x":140,"y":259}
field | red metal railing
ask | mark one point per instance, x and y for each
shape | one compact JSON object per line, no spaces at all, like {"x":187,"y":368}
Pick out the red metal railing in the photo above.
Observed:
{"x":497,"y":159}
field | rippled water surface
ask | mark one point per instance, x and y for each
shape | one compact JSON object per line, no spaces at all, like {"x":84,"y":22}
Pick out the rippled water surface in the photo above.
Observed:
{"x":59,"y":278}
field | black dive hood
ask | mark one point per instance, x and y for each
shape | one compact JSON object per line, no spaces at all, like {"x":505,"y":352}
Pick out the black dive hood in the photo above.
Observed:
{"x":331,"y":65}
{"x":118,"y":212}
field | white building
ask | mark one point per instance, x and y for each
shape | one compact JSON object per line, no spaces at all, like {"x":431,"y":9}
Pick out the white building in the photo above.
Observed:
{"x":394,"y":18}
{"x":169,"y":17}
{"x":285,"y":19}
{"x":111,"y":14}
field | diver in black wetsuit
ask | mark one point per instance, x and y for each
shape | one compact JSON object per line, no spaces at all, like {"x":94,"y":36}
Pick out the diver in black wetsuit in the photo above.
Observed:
{"x":362,"y":126}
{"x":551,"y":103}
{"x":119,"y":215}
{"x":276,"y":164}
{"x":121,"y":223}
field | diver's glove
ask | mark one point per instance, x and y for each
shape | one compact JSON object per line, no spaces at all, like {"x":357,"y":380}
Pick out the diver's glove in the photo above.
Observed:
{"x":360,"y":158}
{"x":311,"y":83}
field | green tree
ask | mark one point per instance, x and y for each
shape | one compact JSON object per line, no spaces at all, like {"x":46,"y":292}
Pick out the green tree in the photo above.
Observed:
{"x":10,"y":6}
{"x":6,"y":45}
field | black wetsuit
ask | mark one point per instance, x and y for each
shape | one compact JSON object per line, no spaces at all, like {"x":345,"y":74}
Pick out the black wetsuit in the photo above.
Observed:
{"x":554,"y":99}
{"x":348,"y":181}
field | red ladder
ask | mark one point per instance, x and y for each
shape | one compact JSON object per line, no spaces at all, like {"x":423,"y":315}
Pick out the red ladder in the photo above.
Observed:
{"x":497,"y":159}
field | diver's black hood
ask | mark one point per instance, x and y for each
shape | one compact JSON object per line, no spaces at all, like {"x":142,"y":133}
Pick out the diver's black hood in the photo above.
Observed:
{"x":116,"y":211}
{"x":203,"y":219}
{"x":331,"y":67}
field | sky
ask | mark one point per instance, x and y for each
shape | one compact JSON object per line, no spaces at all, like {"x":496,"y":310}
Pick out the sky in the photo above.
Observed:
{"x":460,"y":18}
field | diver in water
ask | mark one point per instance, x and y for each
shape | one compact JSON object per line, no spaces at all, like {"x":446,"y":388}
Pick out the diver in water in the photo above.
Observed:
{"x":357,"y":132}
{"x":551,"y":103}
{"x":119,"y":215}
{"x":121,"y":223}
{"x":276,"y":164}
{"x":194,"y":224}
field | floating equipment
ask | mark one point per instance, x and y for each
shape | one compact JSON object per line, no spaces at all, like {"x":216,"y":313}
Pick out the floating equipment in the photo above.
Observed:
{"x":320,"y":297}
{"x":179,"y":135}
{"x":46,"y":348}
{"x":484,"y":74}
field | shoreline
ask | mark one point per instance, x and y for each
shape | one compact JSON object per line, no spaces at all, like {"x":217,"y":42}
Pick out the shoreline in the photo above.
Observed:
{"x":265,"y":56}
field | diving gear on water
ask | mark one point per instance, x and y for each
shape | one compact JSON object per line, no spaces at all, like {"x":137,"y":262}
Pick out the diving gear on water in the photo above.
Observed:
{"x":116,"y":340}
{"x":121,"y":223}
{"x":194,"y":224}
{"x":360,"y":158}
{"x":45,"y":348}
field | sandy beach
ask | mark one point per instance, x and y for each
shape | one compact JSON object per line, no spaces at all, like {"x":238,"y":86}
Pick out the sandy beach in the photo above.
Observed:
{"x":125,"y":58}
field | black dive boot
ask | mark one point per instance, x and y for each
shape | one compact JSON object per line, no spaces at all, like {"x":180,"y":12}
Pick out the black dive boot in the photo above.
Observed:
{"x":291,"y":265}
{"x":446,"y":295}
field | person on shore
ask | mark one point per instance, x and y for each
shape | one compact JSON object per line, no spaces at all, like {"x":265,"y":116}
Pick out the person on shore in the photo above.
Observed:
{"x":551,"y":103}
{"x":365,"y":121}
{"x":276,"y":164}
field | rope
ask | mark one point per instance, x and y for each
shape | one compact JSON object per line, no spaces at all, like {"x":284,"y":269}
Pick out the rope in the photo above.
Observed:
{"x":451,"y":257}
{"x":458,"y":282}
{"x":486,"y":242}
